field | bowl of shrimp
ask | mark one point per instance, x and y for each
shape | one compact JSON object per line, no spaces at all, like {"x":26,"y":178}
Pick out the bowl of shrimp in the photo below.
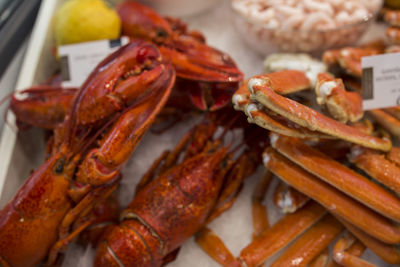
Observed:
{"x":311,"y":26}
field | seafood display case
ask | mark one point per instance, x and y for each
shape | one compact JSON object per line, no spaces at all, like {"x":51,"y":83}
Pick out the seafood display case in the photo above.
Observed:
{"x":23,"y":151}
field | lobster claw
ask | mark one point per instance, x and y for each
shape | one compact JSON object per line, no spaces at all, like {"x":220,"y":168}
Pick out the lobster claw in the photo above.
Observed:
{"x":197,"y":61}
{"x":102,"y":164}
{"x":191,"y":57}
{"x":140,"y":21}
{"x":42,"y":106}
{"x":209,"y":96}
{"x":129,"y":74}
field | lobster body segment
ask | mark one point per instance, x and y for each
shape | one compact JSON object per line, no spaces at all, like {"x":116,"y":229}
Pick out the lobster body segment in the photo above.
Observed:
{"x":119,"y":101}
{"x":165,"y":213}
{"x":35,"y":212}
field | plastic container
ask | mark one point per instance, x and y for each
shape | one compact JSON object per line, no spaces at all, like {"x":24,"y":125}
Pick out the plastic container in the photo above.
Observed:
{"x":180,"y":7}
{"x":265,"y":37}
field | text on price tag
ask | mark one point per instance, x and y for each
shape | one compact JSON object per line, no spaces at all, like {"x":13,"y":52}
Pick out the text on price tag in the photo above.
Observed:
{"x":381,"y":81}
{"x":78,"y":60}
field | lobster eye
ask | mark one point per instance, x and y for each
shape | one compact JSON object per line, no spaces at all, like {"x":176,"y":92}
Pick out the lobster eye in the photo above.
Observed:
{"x":59,"y":166}
{"x":161,"y":33}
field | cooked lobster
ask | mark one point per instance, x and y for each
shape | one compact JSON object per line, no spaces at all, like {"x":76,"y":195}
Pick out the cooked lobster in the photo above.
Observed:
{"x":119,"y":101}
{"x":184,"y":197}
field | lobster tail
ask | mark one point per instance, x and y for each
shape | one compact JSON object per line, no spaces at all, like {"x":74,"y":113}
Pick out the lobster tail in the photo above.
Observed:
{"x":165,"y":213}
{"x":129,"y":244}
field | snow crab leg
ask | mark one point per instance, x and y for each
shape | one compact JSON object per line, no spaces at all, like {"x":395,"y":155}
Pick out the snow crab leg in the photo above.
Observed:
{"x":263,"y":93}
{"x":339,"y":176}
{"x":334,"y":200}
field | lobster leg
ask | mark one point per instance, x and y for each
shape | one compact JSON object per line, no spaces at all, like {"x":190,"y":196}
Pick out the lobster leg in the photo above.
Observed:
{"x":343,"y":257}
{"x":215,"y":248}
{"x":232,"y":188}
{"x":224,"y":207}
{"x":171,"y":256}
{"x":173,"y":156}
{"x":152,"y":172}
{"x":234,"y":179}
{"x":311,"y":243}
{"x":334,"y":200}
{"x":60,"y":245}
{"x":104,"y":214}
{"x":259,"y":210}
{"x":86,"y":203}
{"x":169,"y":158}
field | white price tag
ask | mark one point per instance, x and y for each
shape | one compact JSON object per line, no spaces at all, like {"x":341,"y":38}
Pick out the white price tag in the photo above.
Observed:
{"x":381,"y":81}
{"x":78,"y":60}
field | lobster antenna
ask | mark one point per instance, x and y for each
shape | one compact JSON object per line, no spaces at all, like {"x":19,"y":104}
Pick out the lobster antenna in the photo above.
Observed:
{"x":2,"y":101}
{"x":5,"y":118}
{"x":7,"y":97}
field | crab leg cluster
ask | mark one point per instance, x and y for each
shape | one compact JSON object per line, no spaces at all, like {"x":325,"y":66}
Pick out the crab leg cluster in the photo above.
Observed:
{"x":309,"y":153}
{"x":347,"y":61}
{"x":265,"y":104}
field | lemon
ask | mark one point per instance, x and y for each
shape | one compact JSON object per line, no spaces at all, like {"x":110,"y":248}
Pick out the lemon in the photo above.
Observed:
{"x":86,"y":20}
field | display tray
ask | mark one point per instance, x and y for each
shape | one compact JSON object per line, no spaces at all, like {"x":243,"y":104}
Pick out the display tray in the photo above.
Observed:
{"x":21,"y":152}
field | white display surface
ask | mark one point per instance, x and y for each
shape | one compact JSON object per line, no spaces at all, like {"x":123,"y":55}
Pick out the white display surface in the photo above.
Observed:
{"x":20,"y":153}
